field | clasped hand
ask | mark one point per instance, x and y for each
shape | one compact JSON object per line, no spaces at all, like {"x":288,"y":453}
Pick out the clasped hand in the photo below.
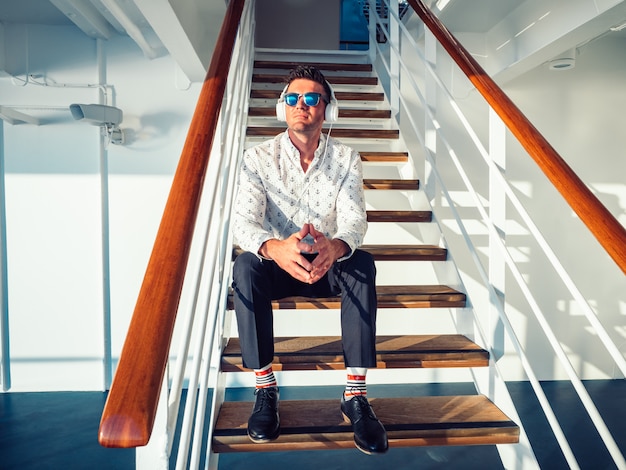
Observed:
{"x":288,"y":254}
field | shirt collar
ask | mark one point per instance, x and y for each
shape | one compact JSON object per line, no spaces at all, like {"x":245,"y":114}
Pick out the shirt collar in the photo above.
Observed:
{"x":294,"y":153}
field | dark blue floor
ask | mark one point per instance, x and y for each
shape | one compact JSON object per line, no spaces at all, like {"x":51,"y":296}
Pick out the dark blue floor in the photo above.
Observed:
{"x":56,"y":431}
{"x":59,"y":431}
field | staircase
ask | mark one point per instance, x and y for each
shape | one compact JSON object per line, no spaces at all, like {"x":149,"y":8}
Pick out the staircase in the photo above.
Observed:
{"x":366,"y":124}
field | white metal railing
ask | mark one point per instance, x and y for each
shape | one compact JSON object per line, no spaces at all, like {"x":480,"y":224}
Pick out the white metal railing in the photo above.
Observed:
{"x":201,"y":322}
{"x":5,"y":359}
{"x":395,"y":71}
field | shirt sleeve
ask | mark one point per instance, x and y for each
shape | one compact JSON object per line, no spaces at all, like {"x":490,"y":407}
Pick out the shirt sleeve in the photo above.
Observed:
{"x":351,"y":213}
{"x":249,"y":207}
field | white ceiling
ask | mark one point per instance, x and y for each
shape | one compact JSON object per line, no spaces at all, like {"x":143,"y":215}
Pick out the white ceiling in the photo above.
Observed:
{"x":476,"y":16}
{"x":183,"y":28}
{"x":511,"y":37}
{"x":155,"y":33}
{"x":186,"y":29}
{"x":31,"y":12}
{"x":480,"y":16}
{"x":97,"y":19}
{"x":470,"y":16}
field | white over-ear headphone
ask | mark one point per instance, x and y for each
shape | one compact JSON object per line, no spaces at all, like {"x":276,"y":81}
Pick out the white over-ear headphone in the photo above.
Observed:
{"x":331,"y":114}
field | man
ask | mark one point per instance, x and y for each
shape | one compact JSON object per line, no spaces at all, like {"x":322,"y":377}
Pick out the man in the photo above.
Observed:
{"x":300,"y":215}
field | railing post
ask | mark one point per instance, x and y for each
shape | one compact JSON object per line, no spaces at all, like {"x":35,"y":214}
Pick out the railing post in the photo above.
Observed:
{"x":430,"y":133}
{"x":5,"y":357}
{"x":394,"y":60}
{"x":107,"y":363}
{"x":154,"y":455}
{"x":497,"y":213}
{"x":372,"y":31}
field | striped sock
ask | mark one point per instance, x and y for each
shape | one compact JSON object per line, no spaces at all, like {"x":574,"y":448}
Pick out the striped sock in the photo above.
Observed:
{"x":355,"y":384}
{"x":265,"y":377}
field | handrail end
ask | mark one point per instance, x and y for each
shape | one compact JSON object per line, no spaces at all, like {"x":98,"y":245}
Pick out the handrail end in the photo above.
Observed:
{"x":123,"y":432}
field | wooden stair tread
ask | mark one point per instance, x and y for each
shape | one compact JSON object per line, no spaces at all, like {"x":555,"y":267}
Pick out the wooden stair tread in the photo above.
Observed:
{"x":410,"y":421}
{"x":430,"y":296}
{"x":400,"y":157}
{"x":264,"y":111}
{"x":399,"y":216}
{"x":253,"y":131}
{"x":323,"y":66}
{"x":406,"y":252}
{"x":372,"y":183}
{"x":340,"y":95}
{"x":332,"y":79}
{"x":365,"y":113}
{"x":325,"y":353}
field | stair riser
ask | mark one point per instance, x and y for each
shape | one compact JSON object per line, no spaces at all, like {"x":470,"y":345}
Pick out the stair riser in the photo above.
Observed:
{"x":339,"y":133}
{"x":329,"y":363}
{"x":340,"y":95}
{"x":323,"y":66}
{"x":338,"y":441}
{"x":333,"y":80}
{"x":344,"y":113}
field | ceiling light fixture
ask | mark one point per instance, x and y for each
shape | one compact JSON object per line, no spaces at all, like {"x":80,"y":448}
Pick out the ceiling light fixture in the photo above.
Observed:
{"x":564,"y":61}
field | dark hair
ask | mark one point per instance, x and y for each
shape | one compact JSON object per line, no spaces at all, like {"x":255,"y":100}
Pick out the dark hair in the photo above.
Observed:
{"x":310,"y":73}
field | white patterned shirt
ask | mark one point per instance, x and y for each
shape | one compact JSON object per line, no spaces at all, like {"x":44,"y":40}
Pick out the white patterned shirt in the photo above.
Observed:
{"x":276,"y":197}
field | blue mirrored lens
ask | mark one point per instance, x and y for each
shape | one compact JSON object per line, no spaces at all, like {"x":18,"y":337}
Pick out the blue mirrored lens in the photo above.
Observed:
{"x":310,"y":99}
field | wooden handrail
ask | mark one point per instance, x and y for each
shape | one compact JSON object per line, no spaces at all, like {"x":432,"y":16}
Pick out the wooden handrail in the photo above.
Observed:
{"x":130,"y":410}
{"x":602,"y":224}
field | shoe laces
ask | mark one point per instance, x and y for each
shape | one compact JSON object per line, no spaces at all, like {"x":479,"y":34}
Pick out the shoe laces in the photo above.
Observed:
{"x":363,"y":407}
{"x":265,"y":397}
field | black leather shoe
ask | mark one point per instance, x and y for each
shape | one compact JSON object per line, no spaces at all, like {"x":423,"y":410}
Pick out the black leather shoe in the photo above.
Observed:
{"x":369,"y":434}
{"x":264,"y":424}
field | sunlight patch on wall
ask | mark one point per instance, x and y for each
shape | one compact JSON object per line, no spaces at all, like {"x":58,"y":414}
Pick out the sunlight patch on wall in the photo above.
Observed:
{"x":572,"y":308}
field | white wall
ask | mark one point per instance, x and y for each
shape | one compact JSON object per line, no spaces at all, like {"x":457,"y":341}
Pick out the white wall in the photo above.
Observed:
{"x":580,"y":112}
{"x":53,"y":198}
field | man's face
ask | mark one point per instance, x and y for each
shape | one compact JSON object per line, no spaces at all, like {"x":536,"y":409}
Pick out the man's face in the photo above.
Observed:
{"x":303,"y":118}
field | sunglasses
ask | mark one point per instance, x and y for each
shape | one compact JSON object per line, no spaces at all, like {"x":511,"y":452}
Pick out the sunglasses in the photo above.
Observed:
{"x":310,"y":99}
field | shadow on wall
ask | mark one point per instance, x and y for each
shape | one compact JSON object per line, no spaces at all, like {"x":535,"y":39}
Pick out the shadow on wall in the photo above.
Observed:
{"x":145,"y":133}
{"x":153,"y":144}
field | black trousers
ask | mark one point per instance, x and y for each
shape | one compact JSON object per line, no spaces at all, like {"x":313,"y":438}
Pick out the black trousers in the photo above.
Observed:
{"x":256,"y":282}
